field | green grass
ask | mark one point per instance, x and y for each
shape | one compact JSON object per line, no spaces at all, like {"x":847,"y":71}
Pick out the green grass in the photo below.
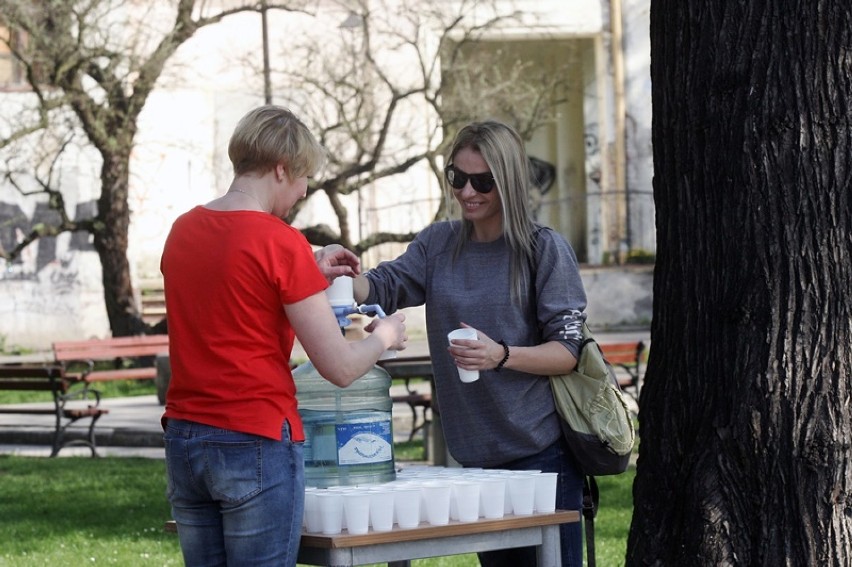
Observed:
{"x":113,"y":389}
{"x":111,"y":510}
{"x":76,"y":510}
{"x":613,"y":520}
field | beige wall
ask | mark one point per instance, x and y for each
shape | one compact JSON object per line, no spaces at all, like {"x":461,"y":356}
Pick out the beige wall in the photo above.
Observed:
{"x":175,"y":168}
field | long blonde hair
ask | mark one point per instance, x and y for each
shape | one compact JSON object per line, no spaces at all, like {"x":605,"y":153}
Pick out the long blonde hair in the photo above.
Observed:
{"x":503,"y":150}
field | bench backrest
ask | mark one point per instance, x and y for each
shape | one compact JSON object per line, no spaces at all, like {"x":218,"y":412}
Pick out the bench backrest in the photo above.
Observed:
{"x":111,"y":348}
{"x":411,"y":367}
{"x":623,"y":353}
{"x":40,"y":378}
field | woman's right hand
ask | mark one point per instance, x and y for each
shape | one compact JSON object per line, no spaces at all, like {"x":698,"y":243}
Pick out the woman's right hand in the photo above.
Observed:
{"x":391,"y":330}
{"x":338,"y":360}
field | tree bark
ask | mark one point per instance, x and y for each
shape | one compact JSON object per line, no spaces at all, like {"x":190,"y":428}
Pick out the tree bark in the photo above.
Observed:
{"x":745,"y":418}
{"x":73,"y":62}
{"x":110,"y":241}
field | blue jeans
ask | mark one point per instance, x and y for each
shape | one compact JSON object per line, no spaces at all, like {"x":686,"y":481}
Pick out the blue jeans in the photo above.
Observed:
{"x":237,"y":499}
{"x":569,"y":496}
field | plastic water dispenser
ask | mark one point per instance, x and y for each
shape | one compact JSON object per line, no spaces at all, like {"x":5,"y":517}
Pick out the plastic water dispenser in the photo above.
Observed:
{"x":348,"y":431}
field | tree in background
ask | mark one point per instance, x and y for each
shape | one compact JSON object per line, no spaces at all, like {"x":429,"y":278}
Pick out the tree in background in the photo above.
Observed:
{"x":409,"y":74}
{"x":745,"y":422}
{"x":92,"y":66}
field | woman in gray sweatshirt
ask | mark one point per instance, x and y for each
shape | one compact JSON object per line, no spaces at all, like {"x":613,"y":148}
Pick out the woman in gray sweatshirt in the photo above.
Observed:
{"x":518,"y":284}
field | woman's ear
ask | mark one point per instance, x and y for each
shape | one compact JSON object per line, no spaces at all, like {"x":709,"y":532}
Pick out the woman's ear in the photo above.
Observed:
{"x":280,"y":172}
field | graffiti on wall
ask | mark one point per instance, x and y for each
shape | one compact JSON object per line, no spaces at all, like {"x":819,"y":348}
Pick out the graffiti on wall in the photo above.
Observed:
{"x":45,"y":252}
{"x":543,"y":175}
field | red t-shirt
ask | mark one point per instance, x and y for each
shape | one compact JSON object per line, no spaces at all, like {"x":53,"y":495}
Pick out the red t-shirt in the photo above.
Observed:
{"x":227,"y":275}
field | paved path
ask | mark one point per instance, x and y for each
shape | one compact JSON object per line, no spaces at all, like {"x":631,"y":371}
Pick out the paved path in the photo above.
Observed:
{"x":133,"y":425}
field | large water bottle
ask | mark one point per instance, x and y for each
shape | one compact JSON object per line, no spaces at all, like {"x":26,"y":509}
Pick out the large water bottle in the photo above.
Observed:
{"x":348,"y":431}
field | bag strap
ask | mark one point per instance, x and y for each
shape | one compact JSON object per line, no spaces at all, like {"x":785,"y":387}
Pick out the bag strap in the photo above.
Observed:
{"x":591,"y":497}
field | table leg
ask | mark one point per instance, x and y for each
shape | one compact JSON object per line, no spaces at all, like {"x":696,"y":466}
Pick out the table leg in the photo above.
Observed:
{"x":438,"y":449}
{"x":549,"y":553}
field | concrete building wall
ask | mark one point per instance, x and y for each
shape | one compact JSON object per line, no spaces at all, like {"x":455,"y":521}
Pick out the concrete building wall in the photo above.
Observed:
{"x":54,"y":292}
{"x":640,"y":163}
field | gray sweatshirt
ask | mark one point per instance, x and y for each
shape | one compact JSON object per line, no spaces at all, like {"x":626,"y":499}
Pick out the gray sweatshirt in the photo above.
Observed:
{"x":504,"y":415}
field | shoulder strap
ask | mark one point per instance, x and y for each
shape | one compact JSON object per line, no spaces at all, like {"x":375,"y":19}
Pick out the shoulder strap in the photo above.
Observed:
{"x":590,"y":510}
{"x":591,"y":495}
{"x":584,"y":343}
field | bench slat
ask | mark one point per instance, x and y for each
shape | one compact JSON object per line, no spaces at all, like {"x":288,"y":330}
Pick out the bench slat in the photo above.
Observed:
{"x":78,"y":413}
{"x":121,"y":374}
{"x":629,"y":356}
{"x":33,"y":378}
{"x":106,"y":352}
{"x":29,"y":384}
{"x":117,"y":341}
{"x":139,"y":348}
{"x":622,"y":352}
{"x":113,"y":347}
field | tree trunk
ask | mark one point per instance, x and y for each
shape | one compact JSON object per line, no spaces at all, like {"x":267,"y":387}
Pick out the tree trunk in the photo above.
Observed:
{"x":110,"y":240}
{"x":745,"y":422}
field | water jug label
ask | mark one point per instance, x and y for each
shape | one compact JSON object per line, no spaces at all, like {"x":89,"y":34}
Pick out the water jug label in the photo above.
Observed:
{"x":364,"y":443}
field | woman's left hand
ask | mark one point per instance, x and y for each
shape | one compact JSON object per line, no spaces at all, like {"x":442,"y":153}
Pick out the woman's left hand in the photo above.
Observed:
{"x":334,"y":261}
{"x":481,"y":354}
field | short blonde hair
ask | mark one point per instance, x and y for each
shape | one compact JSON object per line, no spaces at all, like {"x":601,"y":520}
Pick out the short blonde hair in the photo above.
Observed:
{"x":269,"y":135}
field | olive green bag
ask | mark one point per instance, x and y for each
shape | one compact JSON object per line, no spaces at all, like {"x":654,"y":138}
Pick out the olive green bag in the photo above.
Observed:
{"x":595,"y":418}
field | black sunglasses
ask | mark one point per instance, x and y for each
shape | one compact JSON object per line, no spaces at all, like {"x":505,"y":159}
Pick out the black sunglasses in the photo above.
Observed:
{"x":481,"y":182}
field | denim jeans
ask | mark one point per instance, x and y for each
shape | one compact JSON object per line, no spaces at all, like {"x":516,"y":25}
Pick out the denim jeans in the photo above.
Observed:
{"x":237,"y":499}
{"x":569,"y":496}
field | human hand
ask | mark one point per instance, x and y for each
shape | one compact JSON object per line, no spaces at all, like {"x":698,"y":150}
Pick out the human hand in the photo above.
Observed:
{"x":334,"y":261}
{"x":391,"y":330}
{"x":482,"y":353}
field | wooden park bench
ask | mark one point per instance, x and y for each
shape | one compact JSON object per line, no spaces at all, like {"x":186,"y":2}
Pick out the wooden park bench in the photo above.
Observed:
{"x":81,"y":357}
{"x":629,"y":357}
{"x":69,"y":404}
{"x":407,"y":369}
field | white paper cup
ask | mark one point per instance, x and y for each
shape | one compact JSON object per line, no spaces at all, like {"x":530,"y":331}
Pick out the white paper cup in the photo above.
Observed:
{"x":381,"y":509}
{"x":356,"y":510}
{"x":340,"y":293}
{"x":507,"y":498}
{"x":492,"y":496}
{"x":468,"y":333}
{"x":545,"y":492}
{"x":522,"y":493}
{"x":313,"y":518}
{"x":331,"y":511}
{"x":437,"y":495}
{"x":465,"y":498}
{"x":454,"y":509}
{"x":406,"y":506}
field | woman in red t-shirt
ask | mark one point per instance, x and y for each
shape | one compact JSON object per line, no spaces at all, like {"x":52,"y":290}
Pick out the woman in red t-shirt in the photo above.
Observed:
{"x":240,"y":285}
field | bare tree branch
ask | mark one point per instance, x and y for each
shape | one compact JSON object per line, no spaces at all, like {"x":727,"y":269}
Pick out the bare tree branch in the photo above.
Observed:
{"x":361,"y":106}
{"x":91,"y":67}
